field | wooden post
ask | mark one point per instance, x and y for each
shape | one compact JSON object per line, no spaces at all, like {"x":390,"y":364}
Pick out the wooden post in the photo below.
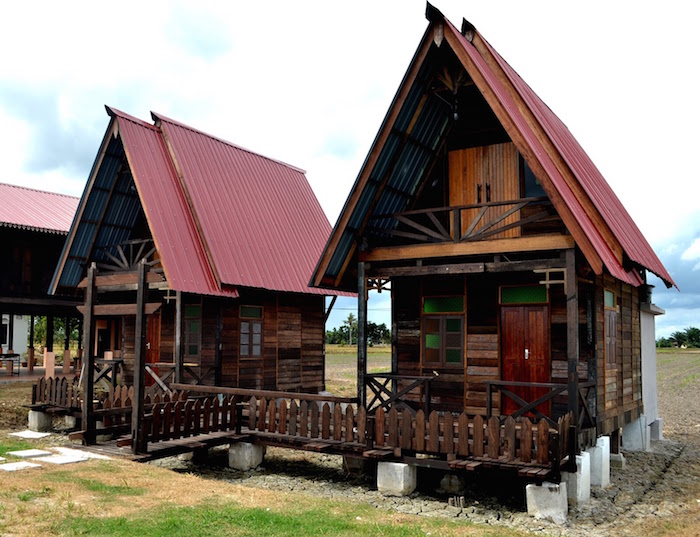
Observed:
{"x":394,"y":344}
{"x":49,"y":332}
{"x":11,"y":332}
{"x":88,"y":422}
{"x":361,"y":333}
{"x":66,"y":338}
{"x":138,"y":441}
{"x":178,"y":336}
{"x":572,"y":343}
{"x":30,"y":347}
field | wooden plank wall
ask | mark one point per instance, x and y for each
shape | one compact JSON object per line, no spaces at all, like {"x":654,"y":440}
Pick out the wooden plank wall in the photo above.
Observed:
{"x":619,"y":386}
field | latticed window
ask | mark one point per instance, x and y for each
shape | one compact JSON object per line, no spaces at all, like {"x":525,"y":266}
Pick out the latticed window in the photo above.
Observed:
{"x":611,"y":321}
{"x":251,"y":332}
{"x":443,"y":331}
{"x":193,"y":329}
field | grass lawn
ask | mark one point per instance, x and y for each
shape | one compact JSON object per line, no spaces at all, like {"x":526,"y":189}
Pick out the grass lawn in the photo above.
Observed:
{"x":341,"y":367}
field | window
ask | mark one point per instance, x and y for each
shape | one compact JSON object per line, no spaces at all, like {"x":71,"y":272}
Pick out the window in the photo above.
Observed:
{"x":531,"y":186}
{"x":611,"y":321}
{"x":443,"y":331}
{"x":251,"y":332}
{"x":193,"y":329}
{"x":524,"y":294}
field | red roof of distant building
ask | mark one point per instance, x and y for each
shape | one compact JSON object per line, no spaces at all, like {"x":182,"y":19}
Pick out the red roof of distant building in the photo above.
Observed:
{"x":37,"y":210}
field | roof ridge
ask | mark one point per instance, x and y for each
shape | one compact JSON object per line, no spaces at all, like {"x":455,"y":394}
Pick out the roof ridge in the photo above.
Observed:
{"x":22,"y":187}
{"x":159,"y":117}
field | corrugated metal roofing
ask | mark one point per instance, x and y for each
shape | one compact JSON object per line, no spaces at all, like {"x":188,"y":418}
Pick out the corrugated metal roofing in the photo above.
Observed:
{"x":36,"y":210}
{"x":633,"y":243}
{"x":221,"y":217}
{"x":259,"y":219}
{"x":173,"y":228}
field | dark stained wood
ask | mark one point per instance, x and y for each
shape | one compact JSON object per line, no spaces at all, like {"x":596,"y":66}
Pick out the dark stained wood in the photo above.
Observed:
{"x":525,"y":440}
{"x":138,"y":442}
{"x":326,"y":422}
{"x":282,"y":425}
{"x":448,"y":434}
{"x":118,"y":310}
{"x":379,"y":426}
{"x":572,"y":323}
{"x":478,"y":441}
{"x":272,"y":416}
{"x":349,"y":424}
{"x":392,"y":420}
{"x":88,"y":423}
{"x":419,"y":437}
{"x":509,"y":439}
{"x":463,"y":435}
{"x":337,"y":423}
{"x":361,"y":333}
{"x":361,"y":425}
{"x":304,"y":419}
{"x":493,"y":435}
{"x":542,"y":442}
{"x":314,"y":420}
{"x":261,"y":393}
{"x":433,"y":443}
{"x":406,"y":440}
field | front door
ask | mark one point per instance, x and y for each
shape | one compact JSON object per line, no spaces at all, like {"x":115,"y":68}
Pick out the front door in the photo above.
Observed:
{"x":525,"y":353}
{"x":152,"y":344}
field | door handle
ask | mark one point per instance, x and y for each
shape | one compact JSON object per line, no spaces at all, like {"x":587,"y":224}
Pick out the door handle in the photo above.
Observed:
{"x":527,"y":354}
{"x":148,"y":346}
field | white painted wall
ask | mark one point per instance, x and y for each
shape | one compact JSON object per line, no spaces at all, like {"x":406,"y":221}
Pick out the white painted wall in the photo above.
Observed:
{"x":649,"y":384}
{"x":21,"y":333}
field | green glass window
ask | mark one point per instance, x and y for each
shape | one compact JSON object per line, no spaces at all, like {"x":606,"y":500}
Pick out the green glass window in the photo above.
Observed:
{"x":526,"y":294}
{"x":609,"y":299}
{"x":252,"y":312}
{"x":443,"y":338}
{"x":443,"y":304}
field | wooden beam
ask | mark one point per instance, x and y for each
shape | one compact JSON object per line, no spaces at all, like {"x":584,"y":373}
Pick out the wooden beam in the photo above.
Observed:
{"x":268,"y":394}
{"x":88,"y":421}
{"x":361,"y":332}
{"x":572,"y":343}
{"x":218,"y":344}
{"x":330,"y":308}
{"x":118,"y":310}
{"x":125,"y":281}
{"x":494,"y":246}
{"x":178,"y":336}
{"x":426,"y":270}
{"x":138,"y":441}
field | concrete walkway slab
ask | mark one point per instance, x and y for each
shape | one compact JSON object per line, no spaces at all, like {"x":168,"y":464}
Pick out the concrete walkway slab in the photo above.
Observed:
{"x":30,"y":434}
{"x":29,"y":453}
{"x":61,"y":459}
{"x":16,"y":466}
{"x":70,"y":452}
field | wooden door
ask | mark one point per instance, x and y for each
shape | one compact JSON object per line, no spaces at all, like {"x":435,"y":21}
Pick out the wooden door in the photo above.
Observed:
{"x":152,"y":344}
{"x":525,"y":353}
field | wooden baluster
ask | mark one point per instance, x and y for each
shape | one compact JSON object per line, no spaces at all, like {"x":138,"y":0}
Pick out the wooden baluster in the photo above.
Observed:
{"x":197,"y":417}
{"x":493,"y":433}
{"x":167,"y":415}
{"x":262,"y":414}
{"x":326,"y":422}
{"x":187,"y":422}
{"x":406,"y":429}
{"x":304,"y":419}
{"x":392,"y":439}
{"x":206,"y":415}
{"x":419,"y":437}
{"x":293,"y":410}
{"x":282,"y":427}
{"x":509,"y":439}
{"x":178,"y":410}
{"x":361,"y":425}
{"x":463,"y":434}
{"x":272,"y":416}
{"x":379,"y":439}
{"x":478,"y":441}
{"x":252,"y":416}
{"x":542,"y":442}
{"x":448,"y":445}
{"x":433,"y":444}
{"x":349,"y":424}
{"x":525,"y":440}
{"x":314,"y":420}
{"x":337,"y":422}
{"x":157,"y":423}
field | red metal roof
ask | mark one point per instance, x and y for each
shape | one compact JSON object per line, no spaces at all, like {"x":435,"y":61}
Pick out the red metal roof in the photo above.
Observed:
{"x":163,"y":199}
{"x":259,"y":219}
{"x":599,"y":191}
{"x":37,"y":210}
{"x":221,"y":216}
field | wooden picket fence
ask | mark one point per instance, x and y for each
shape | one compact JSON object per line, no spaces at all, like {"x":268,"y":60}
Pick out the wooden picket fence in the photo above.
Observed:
{"x":59,"y":392}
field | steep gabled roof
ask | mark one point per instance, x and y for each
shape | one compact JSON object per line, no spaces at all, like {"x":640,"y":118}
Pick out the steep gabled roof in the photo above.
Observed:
{"x":414,"y":127}
{"x":36,"y":210}
{"x":221,"y":217}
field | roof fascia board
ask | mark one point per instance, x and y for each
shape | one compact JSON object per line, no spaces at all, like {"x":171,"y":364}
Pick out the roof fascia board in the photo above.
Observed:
{"x":112,"y":131}
{"x":188,"y":198}
{"x":552,"y":151}
{"x":371,"y":160}
{"x":531,"y":157}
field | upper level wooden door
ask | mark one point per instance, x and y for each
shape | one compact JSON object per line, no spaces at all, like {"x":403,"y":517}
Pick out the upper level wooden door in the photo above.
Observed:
{"x":525,"y":353}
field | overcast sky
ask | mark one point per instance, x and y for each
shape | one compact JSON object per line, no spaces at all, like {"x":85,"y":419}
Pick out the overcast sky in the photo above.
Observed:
{"x":309,"y":83}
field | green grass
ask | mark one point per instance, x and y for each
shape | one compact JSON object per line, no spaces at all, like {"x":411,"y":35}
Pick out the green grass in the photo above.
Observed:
{"x":94,"y":485}
{"x":220,"y":520}
{"x":10,"y":444}
{"x":29,"y":495}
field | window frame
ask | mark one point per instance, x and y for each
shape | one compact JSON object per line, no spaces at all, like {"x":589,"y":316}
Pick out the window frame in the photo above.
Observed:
{"x":189,"y":334}
{"x":251,"y":321}
{"x":442,"y":317}
{"x":611,"y":314}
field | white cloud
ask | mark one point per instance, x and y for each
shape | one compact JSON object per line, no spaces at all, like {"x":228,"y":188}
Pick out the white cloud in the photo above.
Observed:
{"x":692,"y":252}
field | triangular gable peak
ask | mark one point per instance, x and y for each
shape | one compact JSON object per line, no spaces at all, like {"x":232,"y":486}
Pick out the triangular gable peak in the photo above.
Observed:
{"x":462,"y":111}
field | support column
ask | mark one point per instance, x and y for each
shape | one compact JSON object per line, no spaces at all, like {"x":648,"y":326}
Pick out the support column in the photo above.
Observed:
{"x":361,"y":333}
{"x":88,"y":420}
{"x":138,"y":441}
{"x":66,"y":345}
{"x":572,"y":344}
{"x":49,"y":332}
{"x":11,"y":332}
{"x":218,"y":345}
{"x":178,"y":336}
{"x":30,"y":347}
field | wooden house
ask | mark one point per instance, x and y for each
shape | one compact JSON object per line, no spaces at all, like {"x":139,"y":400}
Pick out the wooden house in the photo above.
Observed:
{"x":226,"y":240}
{"x":517,"y":277}
{"x":33,"y":229}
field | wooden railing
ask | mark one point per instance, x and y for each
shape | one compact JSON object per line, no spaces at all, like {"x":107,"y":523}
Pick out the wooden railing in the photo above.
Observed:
{"x":586,"y":418}
{"x":448,"y":224}
{"x":386,"y":396}
{"x":57,"y":392}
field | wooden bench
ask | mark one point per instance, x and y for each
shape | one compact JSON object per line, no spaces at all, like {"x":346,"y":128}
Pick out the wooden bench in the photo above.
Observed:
{"x":9,"y":360}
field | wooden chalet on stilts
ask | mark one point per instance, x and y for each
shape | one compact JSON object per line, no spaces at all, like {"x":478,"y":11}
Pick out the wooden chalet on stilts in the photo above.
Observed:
{"x":33,"y":229}
{"x":193,"y":256}
{"x":517,"y":277}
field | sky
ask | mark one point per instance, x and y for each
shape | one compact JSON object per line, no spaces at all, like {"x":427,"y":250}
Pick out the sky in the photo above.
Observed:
{"x":309,"y":83}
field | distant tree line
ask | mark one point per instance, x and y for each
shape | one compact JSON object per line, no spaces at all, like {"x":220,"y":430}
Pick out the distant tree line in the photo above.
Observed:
{"x":690,"y":337}
{"x":377,"y":334}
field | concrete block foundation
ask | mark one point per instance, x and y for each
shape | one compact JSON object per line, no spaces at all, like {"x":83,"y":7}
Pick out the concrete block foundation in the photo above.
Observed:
{"x":656,"y":429}
{"x":635,"y":435}
{"x":40,"y":422}
{"x":547,"y":501}
{"x":600,"y":462}
{"x":617,"y":460}
{"x":245,"y":456}
{"x":578,"y":484}
{"x":396,"y":478}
